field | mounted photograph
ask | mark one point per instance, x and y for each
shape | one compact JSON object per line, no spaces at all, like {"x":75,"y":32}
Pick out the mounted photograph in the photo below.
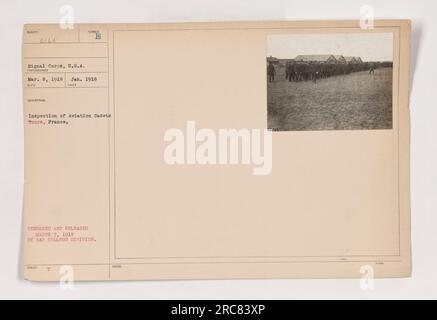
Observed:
{"x":341,"y":81}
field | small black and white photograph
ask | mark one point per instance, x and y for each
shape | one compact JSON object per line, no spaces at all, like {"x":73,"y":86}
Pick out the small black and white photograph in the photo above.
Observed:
{"x":341,"y":81}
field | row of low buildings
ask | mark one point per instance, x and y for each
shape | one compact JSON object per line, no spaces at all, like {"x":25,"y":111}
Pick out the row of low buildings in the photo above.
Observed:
{"x":320,"y":58}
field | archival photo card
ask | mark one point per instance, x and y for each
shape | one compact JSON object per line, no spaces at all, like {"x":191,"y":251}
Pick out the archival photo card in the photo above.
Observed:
{"x":149,"y":154}
{"x":339,"y":81}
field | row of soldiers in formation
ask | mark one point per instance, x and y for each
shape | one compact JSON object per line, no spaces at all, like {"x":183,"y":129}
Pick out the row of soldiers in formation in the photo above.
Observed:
{"x":306,"y":71}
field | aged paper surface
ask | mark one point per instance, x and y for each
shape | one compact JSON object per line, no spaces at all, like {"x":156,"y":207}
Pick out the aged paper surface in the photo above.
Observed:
{"x":109,"y":195}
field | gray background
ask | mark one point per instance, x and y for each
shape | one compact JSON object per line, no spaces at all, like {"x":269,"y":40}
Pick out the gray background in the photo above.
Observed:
{"x":423,"y":284}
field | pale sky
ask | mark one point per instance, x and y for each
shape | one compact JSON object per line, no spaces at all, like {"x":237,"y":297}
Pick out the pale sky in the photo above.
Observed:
{"x":368,"y":46}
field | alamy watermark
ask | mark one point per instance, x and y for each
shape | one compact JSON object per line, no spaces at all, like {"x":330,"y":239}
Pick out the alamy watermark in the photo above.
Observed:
{"x":219,"y":147}
{"x":66,"y":21}
{"x":66,"y":281}
{"x":368,"y":277}
{"x":367,"y":17}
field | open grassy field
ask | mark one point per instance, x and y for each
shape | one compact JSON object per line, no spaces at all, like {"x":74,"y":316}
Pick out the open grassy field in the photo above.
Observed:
{"x":357,"y":101}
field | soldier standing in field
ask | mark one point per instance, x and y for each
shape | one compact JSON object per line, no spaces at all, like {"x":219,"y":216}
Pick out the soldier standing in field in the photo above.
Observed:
{"x":287,"y":66}
{"x":271,"y":72}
